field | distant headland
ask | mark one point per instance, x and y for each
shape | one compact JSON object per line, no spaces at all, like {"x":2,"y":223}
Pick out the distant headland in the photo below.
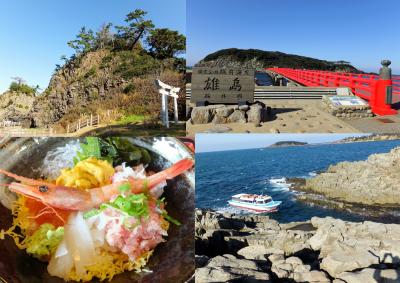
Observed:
{"x":288,"y":143}
{"x":260,"y":59}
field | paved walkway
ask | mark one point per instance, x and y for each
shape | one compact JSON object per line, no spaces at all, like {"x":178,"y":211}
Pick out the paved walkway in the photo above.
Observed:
{"x":288,"y":116}
{"x":378,"y":124}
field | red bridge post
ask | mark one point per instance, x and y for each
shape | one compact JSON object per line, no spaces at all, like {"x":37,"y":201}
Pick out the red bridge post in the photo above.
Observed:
{"x":381,"y":99}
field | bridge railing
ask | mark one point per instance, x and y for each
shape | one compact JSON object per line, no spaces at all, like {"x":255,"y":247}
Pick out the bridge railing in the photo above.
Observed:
{"x":360,"y":85}
{"x":396,"y":88}
{"x":380,"y":91}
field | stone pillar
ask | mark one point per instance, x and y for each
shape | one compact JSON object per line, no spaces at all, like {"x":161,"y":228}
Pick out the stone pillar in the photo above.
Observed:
{"x":385,"y":73}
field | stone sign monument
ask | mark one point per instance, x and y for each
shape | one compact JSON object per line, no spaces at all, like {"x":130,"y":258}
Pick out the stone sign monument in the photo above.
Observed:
{"x":222,"y":85}
{"x":346,"y":107}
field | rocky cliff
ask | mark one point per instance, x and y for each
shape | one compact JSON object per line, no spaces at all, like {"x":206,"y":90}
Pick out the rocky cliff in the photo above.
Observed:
{"x":76,"y":85}
{"x":98,"y":80}
{"x":254,"y":248}
{"x":374,"y":181}
{"x":16,"y":107}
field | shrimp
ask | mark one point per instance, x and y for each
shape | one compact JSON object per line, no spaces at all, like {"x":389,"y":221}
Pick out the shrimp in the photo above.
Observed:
{"x":72,"y":199}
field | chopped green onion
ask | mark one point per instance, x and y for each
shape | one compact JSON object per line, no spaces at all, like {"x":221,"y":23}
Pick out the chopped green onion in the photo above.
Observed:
{"x":91,"y":213}
{"x":124,"y":187}
{"x":133,"y":205}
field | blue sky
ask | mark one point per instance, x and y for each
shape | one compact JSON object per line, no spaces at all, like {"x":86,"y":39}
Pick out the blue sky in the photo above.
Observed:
{"x":360,"y":31}
{"x":221,"y":142}
{"x":34,"y":34}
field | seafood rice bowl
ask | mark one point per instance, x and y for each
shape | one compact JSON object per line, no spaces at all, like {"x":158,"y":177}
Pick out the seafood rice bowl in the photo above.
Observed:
{"x":94,"y":209}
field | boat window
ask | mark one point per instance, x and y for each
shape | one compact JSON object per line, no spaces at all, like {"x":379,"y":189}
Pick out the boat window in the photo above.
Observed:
{"x":260,"y":201}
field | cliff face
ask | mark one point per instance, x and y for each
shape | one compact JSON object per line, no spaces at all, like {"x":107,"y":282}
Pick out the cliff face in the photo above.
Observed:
{"x":260,"y":59}
{"x":77,"y":85}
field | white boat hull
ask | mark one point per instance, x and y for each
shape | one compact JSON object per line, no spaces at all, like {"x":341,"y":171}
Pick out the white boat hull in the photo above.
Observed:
{"x":270,"y":207}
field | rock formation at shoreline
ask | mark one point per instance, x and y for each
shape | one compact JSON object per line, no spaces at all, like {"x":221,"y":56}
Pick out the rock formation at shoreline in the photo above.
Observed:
{"x":254,"y":248}
{"x":372,"y":182}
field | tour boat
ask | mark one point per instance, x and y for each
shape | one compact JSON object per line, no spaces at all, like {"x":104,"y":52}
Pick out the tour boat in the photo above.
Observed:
{"x":257,"y":203}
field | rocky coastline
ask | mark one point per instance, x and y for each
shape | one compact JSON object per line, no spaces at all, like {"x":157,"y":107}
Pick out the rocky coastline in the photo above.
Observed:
{"x":373,"y":182}
{"x":255,"y":248}
{"x":372,"y":137}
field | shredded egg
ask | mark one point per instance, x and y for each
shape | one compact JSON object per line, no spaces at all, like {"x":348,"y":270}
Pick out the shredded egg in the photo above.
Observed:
{"x":87,"y":174}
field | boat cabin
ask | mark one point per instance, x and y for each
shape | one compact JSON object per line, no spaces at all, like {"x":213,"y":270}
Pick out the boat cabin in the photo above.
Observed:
{"x":252,"y":198}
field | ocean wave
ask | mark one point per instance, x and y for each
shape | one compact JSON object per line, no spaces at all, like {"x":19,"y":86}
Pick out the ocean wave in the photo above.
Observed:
{"x":279,"y":184}
{"x":312,"y":174}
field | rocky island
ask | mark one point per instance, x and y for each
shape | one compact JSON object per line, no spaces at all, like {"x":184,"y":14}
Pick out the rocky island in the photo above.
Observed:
{"x":288,"y":143}
{"x":255,"y":248}
{"x":261,"y":59}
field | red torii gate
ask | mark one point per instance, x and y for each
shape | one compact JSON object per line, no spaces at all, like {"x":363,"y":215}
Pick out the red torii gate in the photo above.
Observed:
{"x":377,"y":90}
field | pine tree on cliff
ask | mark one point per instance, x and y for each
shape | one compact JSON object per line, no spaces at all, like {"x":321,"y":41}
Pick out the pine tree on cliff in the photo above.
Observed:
{"x":84,"y":42}
{"x":136,"y":29}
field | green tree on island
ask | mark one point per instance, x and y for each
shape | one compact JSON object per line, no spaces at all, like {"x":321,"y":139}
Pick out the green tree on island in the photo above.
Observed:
{"x":162,"y":43}
{"x":84,"y":41}
{"x":165,"y":43}
{"x":136,"y":29}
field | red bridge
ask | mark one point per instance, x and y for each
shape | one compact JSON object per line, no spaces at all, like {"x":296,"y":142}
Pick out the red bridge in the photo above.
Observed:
{"x":381,"y":91}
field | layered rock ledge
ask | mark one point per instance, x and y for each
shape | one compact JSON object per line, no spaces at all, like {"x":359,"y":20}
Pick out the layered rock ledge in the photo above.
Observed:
{"x":234,"y":248}
{"x":373,"y":182}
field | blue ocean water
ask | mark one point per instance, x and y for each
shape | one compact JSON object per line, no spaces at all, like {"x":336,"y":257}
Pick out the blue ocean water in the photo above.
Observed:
{"x":263,"y":79}
{"x":219,"y":175}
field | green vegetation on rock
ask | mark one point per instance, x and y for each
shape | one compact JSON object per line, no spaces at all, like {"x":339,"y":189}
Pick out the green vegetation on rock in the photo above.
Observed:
{"x":265,"y":59}
{"x":19,"y":86}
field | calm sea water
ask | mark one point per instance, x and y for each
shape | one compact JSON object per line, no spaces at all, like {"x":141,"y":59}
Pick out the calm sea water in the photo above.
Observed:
{"x":263,"y":79}
{"x":219,"y":175}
